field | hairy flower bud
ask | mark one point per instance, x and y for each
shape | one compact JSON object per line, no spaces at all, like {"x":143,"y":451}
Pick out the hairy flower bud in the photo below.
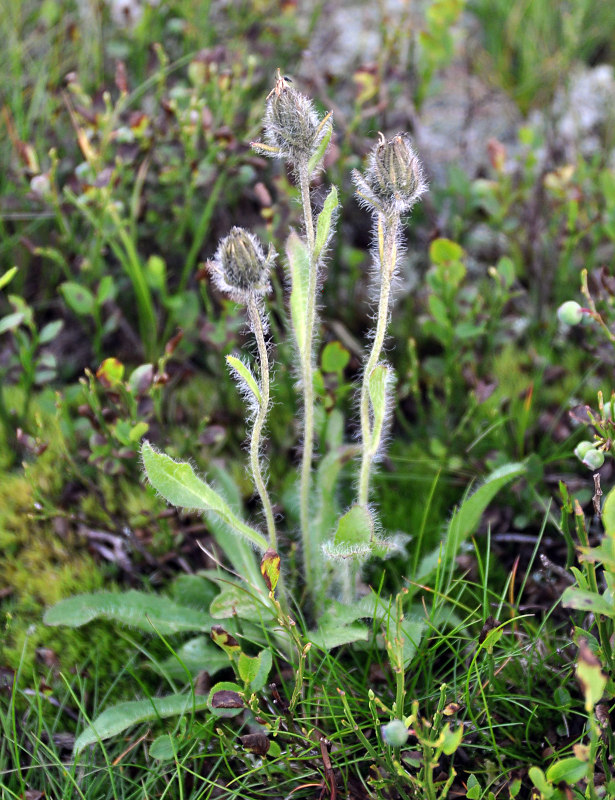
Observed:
{"x":393,"y":180}
{"x":240,"y":268}
{"x":293,"y":129}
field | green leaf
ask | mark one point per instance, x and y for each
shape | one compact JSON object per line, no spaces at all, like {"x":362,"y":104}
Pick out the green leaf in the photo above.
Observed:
{"x":334,"y":357}
{"x":147,"y":612}
{"x":587,"y":601}
{"x":537,"y":777}
{"x":78,"y":298}
{"x":608,"y":514}
{"x":162,"y":748}
{"x":124,"y":715}
{"x":7,"y":277}
{"x":322,"y":149}
{"x":243,"y":374}
{"x":466,"y":518}
{"x":11,"y":321}
{"x":329,"y":637}
{"x":178,"y":484}
{"x":254,"y":670}
{"x":413,"y":628}
{"x":49,"y":331}
{"x":443,"y":250}
{"x":380,"y":377}
{"x":156,"y":273}
{"x":235,"y":601}
{"x":590,"y":676}
{"x":473,"y":786}
{"x":452,"y":739}
{"x":570,"y":770}
{"x":355,"y":527}
{"x":323,"y":225}
{"x":197,"y":655}
{"x":299,"y":263}
{"x":326,"y":484}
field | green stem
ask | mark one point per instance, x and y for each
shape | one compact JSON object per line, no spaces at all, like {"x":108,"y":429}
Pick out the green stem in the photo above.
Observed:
{"x":307,"y":378}
{"x":387,"y":227}
{"x":256,"y":323}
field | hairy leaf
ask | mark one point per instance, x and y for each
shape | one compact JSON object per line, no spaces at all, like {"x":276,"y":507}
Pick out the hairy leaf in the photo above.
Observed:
{"x":124,"y":715}
{"x":148,"y":612}
{"x":178,"y":484}
{"x":299,"y":263}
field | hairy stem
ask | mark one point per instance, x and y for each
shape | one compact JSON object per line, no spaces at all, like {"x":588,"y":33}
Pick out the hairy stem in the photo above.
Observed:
{"x":307,"y":380}
{"x":256,"y":323}
{"x":387,"y":231}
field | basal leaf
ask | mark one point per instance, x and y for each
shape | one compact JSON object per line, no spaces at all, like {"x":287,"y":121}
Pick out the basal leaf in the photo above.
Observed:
{"x":148,"y":612}
{"x":124,"y":715}
{"x":330,"y":637}
{"x":197,"y":655}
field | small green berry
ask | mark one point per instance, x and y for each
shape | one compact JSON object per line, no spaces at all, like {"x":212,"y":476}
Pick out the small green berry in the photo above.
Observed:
{"x":570,"y":313}
{"x":395,"y":733}
{"x":593,"y":459}
{"x":581,"y":449}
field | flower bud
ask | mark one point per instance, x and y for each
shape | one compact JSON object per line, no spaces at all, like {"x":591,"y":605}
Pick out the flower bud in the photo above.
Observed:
{"x":593,"y":458}
{"x":570,"y":313}
{"x":393,"y":180}
{"x":240,"y":268}
{"x":293,"y":129}
{"x":395,"y":733}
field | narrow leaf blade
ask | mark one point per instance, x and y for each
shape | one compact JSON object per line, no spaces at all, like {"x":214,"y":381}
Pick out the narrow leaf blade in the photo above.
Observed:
{"x":243,"y":373}
{"x":299,"y":263}
{"x":323,"y":225}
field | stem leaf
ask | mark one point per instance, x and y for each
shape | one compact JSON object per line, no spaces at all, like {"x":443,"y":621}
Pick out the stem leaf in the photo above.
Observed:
{"x":322,"y":149}
{"x":177,"y":483}
{"x":299,"y":263}
{"x":243,"y":373}
{"x":323,"y":225}
{"x":378,"y":380}
{"x":147,"y":612}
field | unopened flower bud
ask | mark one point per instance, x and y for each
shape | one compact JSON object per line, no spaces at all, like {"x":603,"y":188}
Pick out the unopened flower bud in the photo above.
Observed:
{"x":570,"y":313}
{"x":395,"y":733}
{"x":240,"y":267}
{"x":293,"y":129}
{"x":393,"y":179}
{"x":593,"y":458}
